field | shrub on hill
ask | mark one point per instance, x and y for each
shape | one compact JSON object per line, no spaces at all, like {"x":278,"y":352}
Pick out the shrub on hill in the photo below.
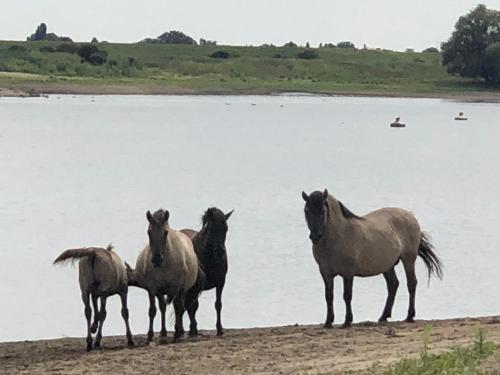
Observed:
{"x":307,"y":54}
{"x":346,"y":44}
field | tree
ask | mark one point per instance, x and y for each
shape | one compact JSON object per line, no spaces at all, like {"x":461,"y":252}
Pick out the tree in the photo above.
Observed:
{"x":464,"y":53}
{"x":492,"y":62}
{"x":92,"y":54}
{"x":346,"y":45}
{"x":94,"y":40}
{"x":308,"y":45}
{"x":40,"y":33}
{"x":430,"y":50}
{"x":206,"y":42}
{"x":290,"y":44}
{"x":176,"y":37}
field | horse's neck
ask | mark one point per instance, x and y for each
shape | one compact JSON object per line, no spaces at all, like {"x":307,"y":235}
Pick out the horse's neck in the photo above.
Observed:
{"x":207,"y":244}
{"x":336,"y":222}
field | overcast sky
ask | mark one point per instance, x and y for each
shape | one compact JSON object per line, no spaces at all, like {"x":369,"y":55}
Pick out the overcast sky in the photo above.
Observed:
{"x":393,"y":24}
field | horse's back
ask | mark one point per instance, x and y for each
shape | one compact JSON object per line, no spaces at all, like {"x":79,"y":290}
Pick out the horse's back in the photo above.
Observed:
{"x":189,"y":232}
{"x":397,"y":227}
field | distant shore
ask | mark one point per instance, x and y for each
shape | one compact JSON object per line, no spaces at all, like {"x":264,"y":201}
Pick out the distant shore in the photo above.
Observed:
{"x":74,"y":89}
{"x":287,"y":350}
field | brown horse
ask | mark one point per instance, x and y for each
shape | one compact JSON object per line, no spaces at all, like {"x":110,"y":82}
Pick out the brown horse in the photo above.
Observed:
{"x":210,"y":247}
{"x":167,"y":266}
{"x":348,"y":245}
{"x":102,"y":274}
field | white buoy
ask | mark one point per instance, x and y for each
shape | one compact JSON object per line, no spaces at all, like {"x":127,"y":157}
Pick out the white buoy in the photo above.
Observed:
{"x":397,"y":123}
{"x":461,"y":117}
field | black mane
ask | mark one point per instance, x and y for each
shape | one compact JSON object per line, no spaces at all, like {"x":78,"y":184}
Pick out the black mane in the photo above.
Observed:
{"x":214,"y":216}
{"x":347,"y":213}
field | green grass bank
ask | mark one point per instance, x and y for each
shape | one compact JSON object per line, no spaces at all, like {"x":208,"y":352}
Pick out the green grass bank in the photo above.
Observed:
{"x":143,"y":68}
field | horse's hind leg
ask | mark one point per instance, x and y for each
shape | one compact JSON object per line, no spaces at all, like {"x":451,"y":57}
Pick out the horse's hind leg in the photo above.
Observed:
{"x":95,"y":305}
{"x":392,"y":282}
{"x":411,"y":280}
{"x":163,"y":308}
{"x":347,"y":299}
{"x":125,"y":315}
{"x":88,"y":316}
{"x":218,"y":308}
{"x":102,"y":317}
{"x":179,"y":312}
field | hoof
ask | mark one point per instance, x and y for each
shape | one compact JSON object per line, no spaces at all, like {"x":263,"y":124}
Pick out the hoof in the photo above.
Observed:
{"x":346,"y":325}
{"x":410,"y":320}
{"x":382,"y":320}
{"x":97,"y":346}
{"x":193,"y":333}
{"x":220,"y":333}
{"x":163,"y":334}
{"x":89,"y":346}
{"x":328,"y":326}
{"x":131,"y":344}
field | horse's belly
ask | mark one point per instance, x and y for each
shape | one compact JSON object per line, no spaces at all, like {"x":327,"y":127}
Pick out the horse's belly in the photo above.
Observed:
{"x":374,"y":264}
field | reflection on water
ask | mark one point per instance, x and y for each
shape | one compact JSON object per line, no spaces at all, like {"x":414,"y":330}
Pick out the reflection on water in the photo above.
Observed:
{"x":81,"y":173}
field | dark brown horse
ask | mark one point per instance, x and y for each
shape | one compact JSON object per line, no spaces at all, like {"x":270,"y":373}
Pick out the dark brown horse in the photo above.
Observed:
{"x":210,"y":247}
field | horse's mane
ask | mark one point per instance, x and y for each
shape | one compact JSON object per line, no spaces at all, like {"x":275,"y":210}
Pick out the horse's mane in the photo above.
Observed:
{"x":348,"y":214}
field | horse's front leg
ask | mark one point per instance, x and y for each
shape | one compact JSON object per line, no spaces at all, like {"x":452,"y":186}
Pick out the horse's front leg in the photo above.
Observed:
{"x":163,"y":308}
{"x":218,"y":308}
{"x":347,"y":299}
{"x":192,"y":305}
{"x":328,"y":280}
{"x":152,"y":314}
{"x":179,"y":312}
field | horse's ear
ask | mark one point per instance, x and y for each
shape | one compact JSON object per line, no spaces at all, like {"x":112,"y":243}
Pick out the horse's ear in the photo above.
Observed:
{"x":325,"y":194}
{"x":149,"y":217}
{"x":166,"y":215}
{"x":305,"y":196}
{"x":228,"y":215}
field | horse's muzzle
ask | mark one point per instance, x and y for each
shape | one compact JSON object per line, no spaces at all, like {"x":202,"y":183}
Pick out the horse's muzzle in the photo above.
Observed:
{"x":157,"y":261}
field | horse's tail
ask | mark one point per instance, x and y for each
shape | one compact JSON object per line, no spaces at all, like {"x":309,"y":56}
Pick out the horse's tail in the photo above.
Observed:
{"x":131,"y":279}
{"x":73,"y":255}
{"x":431,"y":260}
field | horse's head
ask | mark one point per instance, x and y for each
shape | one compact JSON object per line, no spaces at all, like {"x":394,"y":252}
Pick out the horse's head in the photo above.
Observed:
{"x":316,"y":210}
{"x":215,"y":223}
{"x":157,"y":232}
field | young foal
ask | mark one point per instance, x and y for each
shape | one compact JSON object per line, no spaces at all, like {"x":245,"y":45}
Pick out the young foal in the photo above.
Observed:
{"x":101,"y":274}
{"x":168,"y":265}
{"x":210,"y":246}
{"x":348,"y":245}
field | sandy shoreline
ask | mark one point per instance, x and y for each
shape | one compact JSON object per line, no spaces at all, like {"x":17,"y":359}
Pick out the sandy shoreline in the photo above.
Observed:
{"x":285,"y":350}
{"x":36,"y":90}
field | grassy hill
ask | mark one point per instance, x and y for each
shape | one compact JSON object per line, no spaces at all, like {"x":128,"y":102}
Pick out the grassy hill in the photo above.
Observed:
{"x":162,"y":68}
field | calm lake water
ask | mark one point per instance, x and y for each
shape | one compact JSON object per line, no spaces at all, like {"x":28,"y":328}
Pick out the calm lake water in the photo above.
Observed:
{"x":77,"y":172}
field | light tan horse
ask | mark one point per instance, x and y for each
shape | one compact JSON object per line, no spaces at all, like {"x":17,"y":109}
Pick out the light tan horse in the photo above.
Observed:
{"x":347,"y":245}
{"x":101,"y":274}
{"x":168,"y":265}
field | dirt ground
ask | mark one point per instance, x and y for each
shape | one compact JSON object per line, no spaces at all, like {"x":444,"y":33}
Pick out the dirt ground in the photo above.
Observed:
{"x":280,"y":350}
